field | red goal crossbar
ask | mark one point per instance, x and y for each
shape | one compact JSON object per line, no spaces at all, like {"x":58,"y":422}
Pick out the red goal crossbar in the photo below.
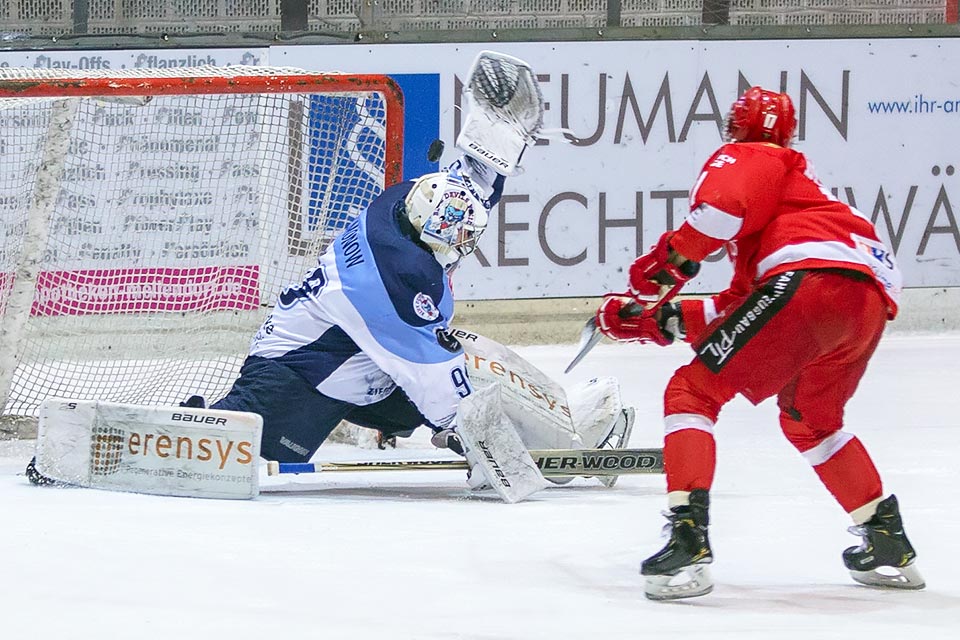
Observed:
{"x":74,"y":86}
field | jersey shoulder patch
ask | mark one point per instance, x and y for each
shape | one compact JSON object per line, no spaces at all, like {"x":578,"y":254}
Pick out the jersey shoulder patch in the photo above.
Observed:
{"x":424,"y":307}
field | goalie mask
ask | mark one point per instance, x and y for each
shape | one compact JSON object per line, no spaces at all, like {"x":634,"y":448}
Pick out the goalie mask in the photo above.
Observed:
{"x":761,"y":116}
{"x":448,"y":215}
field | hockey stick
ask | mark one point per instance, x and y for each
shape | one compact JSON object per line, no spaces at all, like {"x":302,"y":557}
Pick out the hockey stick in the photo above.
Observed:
{"x":590,"y":334}
{"x":551,"y":462}
{"x":589,"y":337}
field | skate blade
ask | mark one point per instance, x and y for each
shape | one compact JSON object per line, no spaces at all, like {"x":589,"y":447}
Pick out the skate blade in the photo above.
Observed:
{"x":689,"y":582}
{"x":907,"y":577}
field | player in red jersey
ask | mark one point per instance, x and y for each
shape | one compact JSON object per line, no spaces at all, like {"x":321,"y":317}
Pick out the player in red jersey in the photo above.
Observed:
{"x":794,"y":246}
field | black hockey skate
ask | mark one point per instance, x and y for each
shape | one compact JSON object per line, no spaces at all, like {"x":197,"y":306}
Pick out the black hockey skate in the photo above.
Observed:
{"x":885,"y":558}
{"x":37,"y":478}
{"x":679,"y":570}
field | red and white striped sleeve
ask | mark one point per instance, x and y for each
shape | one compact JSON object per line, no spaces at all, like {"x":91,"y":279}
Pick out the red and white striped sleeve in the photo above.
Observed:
{"x":735,"y":195}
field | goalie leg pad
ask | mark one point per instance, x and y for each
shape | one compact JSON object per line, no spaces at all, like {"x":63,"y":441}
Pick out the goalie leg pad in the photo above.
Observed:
{"x":493,"y":448}
{"x":600,"y":417}
{"x":534,"y":403}
{"x":170,"y":451}
{"x":597,"y":411}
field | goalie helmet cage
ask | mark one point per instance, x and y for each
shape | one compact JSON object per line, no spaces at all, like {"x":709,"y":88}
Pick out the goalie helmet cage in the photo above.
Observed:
{"x":149,"y":217}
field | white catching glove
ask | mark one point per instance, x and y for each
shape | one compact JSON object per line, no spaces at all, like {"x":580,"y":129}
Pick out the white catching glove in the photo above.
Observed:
{"x":504,"y":114}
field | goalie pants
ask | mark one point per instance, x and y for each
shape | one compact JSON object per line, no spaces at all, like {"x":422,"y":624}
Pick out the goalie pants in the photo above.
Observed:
{"x":297,"y":418}
{"x":805,"y":337}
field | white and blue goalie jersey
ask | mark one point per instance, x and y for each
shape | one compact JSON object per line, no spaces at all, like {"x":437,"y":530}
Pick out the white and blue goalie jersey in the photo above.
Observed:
{"x":374,"y":314}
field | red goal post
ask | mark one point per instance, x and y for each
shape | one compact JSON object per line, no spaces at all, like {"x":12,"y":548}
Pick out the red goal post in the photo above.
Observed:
{"x":148,"y":217}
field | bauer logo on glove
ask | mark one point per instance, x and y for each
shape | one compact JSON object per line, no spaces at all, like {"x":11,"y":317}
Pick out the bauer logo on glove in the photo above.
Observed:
{"x":504,"y":111}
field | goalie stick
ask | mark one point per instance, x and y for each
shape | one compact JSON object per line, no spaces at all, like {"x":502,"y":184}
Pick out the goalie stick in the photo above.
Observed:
{"x":551,"y":462}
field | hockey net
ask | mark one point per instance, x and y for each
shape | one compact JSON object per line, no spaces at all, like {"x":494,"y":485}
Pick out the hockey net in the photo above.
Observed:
{"x":148,"y":218}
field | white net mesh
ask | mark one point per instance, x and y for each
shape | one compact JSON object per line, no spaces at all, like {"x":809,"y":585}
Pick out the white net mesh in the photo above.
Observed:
{"x":142,"y":240}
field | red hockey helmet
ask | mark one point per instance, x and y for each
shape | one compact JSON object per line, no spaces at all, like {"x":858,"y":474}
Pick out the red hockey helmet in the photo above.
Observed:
{"x":761,"y":116}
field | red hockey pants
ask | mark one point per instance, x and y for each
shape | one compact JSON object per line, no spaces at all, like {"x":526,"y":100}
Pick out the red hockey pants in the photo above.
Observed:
{"x":809,"y":345}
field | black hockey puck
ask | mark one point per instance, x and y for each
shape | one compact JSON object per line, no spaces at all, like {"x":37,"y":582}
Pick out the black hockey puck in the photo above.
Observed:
{"x":435,"y":150}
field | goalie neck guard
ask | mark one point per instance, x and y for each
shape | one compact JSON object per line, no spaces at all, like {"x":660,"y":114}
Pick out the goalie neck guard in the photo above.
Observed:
{"x":448,"y":215}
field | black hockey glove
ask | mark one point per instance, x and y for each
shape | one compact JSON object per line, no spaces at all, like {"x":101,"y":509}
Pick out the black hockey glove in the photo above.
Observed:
{"x":448,"y":439}
{"x":670,"y":319}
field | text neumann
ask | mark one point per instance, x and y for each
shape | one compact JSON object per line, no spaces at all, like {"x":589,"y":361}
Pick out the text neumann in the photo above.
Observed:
{"x":725,"y":343}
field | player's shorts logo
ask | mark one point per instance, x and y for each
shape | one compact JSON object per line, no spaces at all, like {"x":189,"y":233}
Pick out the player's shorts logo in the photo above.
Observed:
{"x":424,"y":307}
{"x":746,"y":320}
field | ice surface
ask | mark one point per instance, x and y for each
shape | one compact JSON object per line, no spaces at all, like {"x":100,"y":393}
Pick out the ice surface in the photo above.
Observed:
{"x":414,"y":555}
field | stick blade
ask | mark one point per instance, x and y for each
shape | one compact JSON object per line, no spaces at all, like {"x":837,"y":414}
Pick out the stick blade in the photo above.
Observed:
{"x":589,"y":337}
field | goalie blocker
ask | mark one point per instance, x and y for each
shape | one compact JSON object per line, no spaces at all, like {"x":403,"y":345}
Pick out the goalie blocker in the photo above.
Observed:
{"x":171,"y":451}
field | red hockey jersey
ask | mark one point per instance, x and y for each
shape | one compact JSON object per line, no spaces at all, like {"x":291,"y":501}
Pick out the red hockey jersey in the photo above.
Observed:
{"x":765,"y":205}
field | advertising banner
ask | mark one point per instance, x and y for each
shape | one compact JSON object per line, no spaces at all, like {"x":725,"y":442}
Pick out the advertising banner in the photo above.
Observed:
{"x":116,"y":59}
{"x":147,"y":216}
{"x":170,"y":205}
{"x":634,"y":122}
{"x":146,"y":290}
{"x":628,"y":127}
